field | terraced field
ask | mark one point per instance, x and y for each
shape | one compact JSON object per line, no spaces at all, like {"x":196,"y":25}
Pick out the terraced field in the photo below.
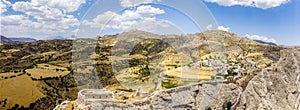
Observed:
{"x":47,"y":71}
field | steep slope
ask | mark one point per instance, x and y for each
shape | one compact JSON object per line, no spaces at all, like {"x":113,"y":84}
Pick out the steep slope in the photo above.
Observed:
{"x":277,"y":87}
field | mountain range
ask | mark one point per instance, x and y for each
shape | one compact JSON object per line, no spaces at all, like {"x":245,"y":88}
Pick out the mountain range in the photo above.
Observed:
{"x":16,"y":39}
{"x":5,"y":39}
{"x":24,"y":39}
{"x":264,"y":42}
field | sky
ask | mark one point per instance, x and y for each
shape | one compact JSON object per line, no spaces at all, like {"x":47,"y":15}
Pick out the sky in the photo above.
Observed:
{"x":268,"y":20}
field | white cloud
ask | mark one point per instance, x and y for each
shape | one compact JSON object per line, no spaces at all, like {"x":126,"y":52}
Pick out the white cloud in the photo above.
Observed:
{"x":263,"y":4}
{"x":41,"y":13}
{"x":17,"y":22}
{"x":261,"y":38}
{"x":153,"y":25}
{"x":209,"y":27}
{"x":131,"y":3}
{"x":40,"y":17}
{"x":15,"y":25}
{"x":101,"y":20}
{"x":149,"y":11}
{"x":223,"y":28}
{"x":126,"y":19}
{"x":66,"y":5}
{"x":4,"y":4}
{"x":75,"y":30}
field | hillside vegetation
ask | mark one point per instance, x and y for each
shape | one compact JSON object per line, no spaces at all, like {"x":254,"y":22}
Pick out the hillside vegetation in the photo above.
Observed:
{"x":36,"y":75}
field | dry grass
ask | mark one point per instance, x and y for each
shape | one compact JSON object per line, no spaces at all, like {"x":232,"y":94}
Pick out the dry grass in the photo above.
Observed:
{"x":254,"y":54}
{"x":85,"y":70}
{"x":115,"y":88}
{"x":46,"y":71}
{"x":129,"y":80}
{"x":19,"y":90}
{"x":9,"y":74}
{"x":10,"y":50}
{"x":190,"y":73}
{"x":72,"y":105}
{"x":64,"y":64}
{"x":39,"y":54}
{"x":51,"y":67}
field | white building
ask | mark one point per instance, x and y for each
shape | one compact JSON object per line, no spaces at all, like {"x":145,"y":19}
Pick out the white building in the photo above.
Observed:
{"x":88,"y":96}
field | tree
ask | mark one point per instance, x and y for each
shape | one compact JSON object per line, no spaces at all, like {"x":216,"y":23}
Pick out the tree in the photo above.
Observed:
{"x":15,"y":107}
{"x":227,"y":106}
{"x":130,"y":90}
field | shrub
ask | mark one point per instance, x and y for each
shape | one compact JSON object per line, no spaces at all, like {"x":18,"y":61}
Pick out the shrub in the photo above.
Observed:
{"x":227,"y":106}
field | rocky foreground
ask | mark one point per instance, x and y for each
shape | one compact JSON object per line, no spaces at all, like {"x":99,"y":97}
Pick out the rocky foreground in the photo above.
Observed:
{"x":275,"y":88}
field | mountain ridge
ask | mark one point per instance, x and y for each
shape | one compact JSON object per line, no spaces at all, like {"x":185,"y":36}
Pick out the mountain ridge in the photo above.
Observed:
{"x":5,"y":39}
{"x":23,"y":39}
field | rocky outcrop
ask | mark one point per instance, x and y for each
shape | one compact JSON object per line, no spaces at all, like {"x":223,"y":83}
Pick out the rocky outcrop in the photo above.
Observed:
{"x":277,"y":87}
{"x":200,"y":96}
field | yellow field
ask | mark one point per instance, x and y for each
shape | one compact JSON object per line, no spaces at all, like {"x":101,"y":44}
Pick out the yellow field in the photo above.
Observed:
{"x":10,"y":50}
{"x":19,"y":90}
{"x":51,"y":67}
{"x":190,"y":73}
{"x":254,"y":54}
{"x":61,"y":63}
{"x":46,"y":71}
{"x":9,"y":74}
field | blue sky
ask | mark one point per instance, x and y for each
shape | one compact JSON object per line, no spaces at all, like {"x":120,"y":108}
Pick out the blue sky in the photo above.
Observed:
{"x":270,"y":20}
{"x":280,"y":23}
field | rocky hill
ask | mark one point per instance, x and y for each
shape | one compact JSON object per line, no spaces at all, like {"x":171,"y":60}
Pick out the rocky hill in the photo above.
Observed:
{"x":57,"y":69}
{"x":273,"y":88}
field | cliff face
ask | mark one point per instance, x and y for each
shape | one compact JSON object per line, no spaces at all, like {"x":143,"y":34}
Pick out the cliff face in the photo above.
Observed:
{"x":277,"y":87}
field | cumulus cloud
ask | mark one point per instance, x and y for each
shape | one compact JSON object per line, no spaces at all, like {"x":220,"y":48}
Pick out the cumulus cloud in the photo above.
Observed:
{"x":153,"y":25}
{"x":101,"y":20}
{"x":209,"y":27}
{"x":4,"y":4}
{"x":263,"y":4}
{"x":131,"y":3}
{"x":261,"y":38}
{"x":223,"y":28}
{"x":18,"y":23}
{"x":126,"y":19}
{"x":75,"y":30}
{"x":40,"y":16}
{"x":66,"y":5}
